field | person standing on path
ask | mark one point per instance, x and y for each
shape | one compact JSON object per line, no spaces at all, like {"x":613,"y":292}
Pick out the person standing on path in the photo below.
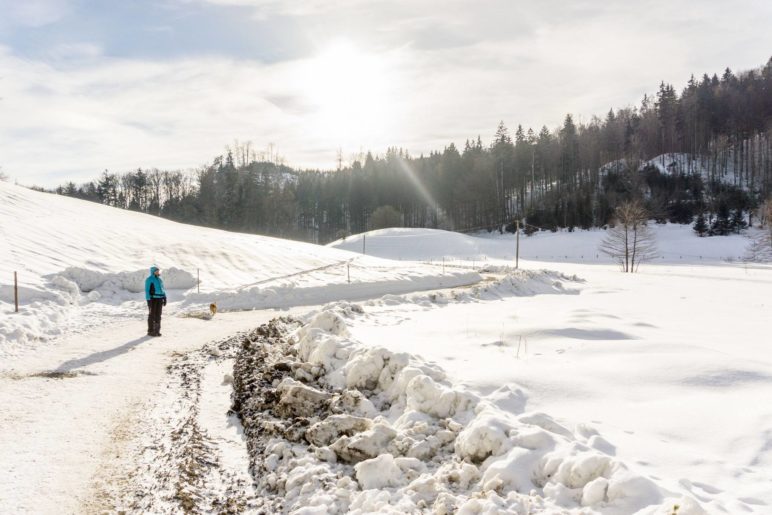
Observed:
{"x":155,"y":295}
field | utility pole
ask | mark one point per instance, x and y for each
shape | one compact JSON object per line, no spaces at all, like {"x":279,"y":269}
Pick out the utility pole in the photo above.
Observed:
{"x":502,"y":198}
{"x":517,"y":245}
{"x":533,"y":173}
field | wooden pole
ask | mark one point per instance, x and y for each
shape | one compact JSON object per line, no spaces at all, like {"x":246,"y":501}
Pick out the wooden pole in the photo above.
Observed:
{"x":15,"y":292}
{"x":198,"y":281}
{"x":364,"y":240}
{"x":348,"y":272}
{"x":517,"y":247}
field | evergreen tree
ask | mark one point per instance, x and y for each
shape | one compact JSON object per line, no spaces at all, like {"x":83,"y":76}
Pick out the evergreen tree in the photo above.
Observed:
{"x":701,"y":225}
{"x":720,"y":225}
{"x":737,"y":222}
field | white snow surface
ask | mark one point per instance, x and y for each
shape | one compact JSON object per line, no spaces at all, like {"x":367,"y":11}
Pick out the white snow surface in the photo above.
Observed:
{"x":666,"y":371}
{"x":576,"y":389}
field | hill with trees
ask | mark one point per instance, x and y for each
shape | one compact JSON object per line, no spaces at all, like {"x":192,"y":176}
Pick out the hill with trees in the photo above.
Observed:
{"x":704,"y":153}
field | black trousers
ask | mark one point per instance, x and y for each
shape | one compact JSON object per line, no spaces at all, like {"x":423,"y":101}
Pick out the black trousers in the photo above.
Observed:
{"x":155,"y":307}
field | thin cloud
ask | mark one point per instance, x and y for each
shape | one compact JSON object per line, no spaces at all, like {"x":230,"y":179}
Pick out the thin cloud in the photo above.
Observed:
{"x":72,"y":53}
{"x":33,"y":13}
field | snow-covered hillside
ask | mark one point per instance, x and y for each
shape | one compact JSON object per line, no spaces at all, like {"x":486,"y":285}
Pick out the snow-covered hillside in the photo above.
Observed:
{"x":686,"y":164}
{"x":78,"y":262}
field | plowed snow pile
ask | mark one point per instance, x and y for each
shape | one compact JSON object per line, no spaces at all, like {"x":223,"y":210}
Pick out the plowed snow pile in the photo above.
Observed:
{"x":336,"y":426}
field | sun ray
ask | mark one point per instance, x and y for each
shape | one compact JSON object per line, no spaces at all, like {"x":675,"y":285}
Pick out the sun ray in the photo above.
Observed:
{"x":349,"y":90}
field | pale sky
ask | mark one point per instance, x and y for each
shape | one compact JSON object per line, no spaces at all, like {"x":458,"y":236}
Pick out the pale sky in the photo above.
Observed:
{"x":88,"y":85}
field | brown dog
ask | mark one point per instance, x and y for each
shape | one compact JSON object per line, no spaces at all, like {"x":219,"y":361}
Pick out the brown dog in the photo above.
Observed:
{"x":212,"y":308}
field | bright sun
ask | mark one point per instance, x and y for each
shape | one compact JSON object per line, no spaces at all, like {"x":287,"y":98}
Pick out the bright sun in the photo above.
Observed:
{"x":349,"y":90}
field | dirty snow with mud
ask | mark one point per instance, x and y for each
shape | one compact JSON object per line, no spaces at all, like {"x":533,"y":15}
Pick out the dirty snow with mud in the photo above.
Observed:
{"x":437,"y":379}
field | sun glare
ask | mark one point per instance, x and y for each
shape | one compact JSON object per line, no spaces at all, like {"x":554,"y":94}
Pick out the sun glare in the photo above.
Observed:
{"x":349,"y":90}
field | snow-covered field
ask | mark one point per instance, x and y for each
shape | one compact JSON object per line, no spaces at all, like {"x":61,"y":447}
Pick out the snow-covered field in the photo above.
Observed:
{"x":676,"y":245}
{"x":437,"y":380}
{"x":670,"y":369}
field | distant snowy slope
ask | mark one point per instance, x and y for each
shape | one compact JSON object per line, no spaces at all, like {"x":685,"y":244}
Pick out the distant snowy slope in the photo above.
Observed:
{"x":72,"y":254}
{"x":417,"y":244}
{"x":675,"y":244}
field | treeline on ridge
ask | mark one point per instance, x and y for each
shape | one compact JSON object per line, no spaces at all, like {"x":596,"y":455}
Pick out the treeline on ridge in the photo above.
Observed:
{"x":705,"y":152}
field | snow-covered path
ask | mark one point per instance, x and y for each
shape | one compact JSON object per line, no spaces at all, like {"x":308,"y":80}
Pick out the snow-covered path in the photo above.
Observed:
{"x":64,"y":409}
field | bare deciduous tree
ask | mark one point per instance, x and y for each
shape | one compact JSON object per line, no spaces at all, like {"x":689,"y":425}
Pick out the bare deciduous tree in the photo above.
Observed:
{"x":155,"y":179}
{"x":630,"y":242}
{"x":760,"y":249}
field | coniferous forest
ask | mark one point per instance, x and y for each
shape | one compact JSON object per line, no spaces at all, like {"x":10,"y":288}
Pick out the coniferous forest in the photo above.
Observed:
{"x":702,"y":155}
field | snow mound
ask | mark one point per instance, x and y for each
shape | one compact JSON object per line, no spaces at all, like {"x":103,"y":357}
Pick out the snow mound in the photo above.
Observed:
{"x":23,"y":329}
{"x":46,"y":314}
{"x":415,"y":244}
{"x":93,"y":280}
{"x":375,"y":282}
{"x":421,"y":444}
{"x":512,"y":283}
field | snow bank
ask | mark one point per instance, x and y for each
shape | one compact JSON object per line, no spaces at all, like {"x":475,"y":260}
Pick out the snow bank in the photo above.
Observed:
{"x":89,"y":280}
{"x":54,"y":309}
{"x":520,"y":283}
{"x":43,"y":321}
{"x":373,"y":282}
{"x":412,"y":441}
{"x":45,"y":314}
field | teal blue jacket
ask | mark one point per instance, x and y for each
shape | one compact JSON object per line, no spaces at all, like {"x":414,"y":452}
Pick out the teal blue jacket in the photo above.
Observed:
{"x":154,"y":286}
